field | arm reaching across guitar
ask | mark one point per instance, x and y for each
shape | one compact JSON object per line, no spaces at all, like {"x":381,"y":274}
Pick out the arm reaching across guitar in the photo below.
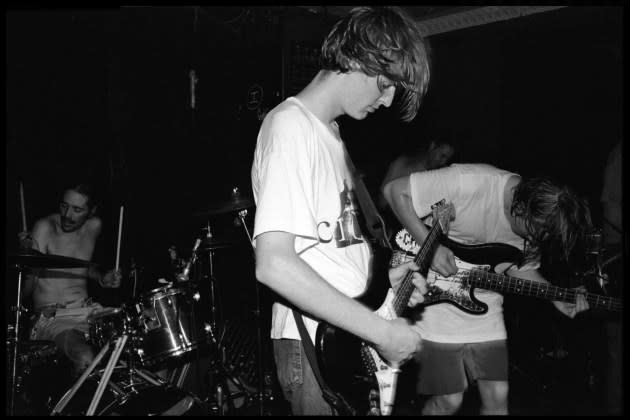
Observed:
{"x":398,"y":196}
{"x":279,"y":267}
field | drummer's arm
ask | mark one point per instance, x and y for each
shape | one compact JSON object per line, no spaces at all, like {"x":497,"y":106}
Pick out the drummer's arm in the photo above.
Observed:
{"x":110,"y":279}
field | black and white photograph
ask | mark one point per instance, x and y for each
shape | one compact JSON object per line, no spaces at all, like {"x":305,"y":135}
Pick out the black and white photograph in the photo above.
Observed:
{"x":292,"y":210}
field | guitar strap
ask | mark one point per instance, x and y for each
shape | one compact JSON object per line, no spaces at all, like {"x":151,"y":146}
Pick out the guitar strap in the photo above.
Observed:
{"x":376,"y":224}
{"x":337,"y":402}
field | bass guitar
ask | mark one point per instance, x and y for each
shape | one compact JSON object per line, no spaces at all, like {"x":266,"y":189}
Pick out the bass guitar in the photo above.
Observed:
{"x":352,"y":367}
{"x":475,"y":264}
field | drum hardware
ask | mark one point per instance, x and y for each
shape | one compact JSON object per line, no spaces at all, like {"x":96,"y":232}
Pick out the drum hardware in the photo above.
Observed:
{"x":30,"y":259}
{"x":260,"y":393}
{"x":132,"y":375}
{"x":33,"y":357}
{"x":134,"y":393}
{"x":150,"y":330}
{"x":165,"y":325}
{"x":133,"y":272}
{"x":595,"y":254}
{"x":236,"y":203}
{"x":239,"y":204}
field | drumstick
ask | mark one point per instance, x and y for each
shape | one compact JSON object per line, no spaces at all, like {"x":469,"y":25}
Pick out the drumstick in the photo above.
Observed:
{"x":120,"y":221}
{"x":23,"y":208}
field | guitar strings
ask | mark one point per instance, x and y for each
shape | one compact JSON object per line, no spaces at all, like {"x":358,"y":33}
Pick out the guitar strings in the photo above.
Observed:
{"x":537,"y":289}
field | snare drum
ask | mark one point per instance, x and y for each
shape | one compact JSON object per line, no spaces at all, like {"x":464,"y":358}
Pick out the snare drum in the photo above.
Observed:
{"x":108,"y":324}
{"x":166,"y":326}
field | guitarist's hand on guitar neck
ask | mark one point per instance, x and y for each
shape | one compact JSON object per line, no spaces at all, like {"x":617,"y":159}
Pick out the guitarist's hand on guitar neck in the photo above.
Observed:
{"x":401,"y":341}
{"x":396,"y":274}
{"x":572,"y":309}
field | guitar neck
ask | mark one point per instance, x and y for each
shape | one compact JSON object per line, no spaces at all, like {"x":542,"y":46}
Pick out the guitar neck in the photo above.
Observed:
{"x":423,"y":261}
{"x":514,"y":285}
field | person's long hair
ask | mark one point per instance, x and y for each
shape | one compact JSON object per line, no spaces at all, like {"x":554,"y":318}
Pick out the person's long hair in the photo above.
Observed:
{"x":381,"y":41}
{"x":553,"y":215}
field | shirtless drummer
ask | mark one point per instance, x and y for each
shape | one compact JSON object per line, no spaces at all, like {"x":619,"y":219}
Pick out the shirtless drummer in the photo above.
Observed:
{"x":60,"y":296}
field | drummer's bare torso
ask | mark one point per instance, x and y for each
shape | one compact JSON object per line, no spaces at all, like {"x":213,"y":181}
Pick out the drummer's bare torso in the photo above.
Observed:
{"x":63,"y":286}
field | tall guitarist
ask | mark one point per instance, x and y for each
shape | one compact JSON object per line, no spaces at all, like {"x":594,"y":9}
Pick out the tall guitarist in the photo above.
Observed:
{"x":310,"y":248}
{"x":491,"y":205}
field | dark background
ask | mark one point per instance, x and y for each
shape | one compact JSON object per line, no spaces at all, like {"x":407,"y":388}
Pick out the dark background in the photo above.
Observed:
{"x":106,"y":94}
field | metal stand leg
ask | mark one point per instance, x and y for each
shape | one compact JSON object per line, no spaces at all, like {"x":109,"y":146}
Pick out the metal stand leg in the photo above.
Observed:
{"x":15,"y":342}
{"x":68,"y":396}
{"x":120,"y":344}
{"x":241,"y":215}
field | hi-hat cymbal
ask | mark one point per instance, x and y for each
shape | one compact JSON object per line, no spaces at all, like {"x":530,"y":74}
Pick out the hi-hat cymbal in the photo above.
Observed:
{"x":236,"y":203}
{"x":36,"y":259}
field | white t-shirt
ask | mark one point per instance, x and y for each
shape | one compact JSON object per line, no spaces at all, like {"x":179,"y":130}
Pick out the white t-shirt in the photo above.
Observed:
{"x":302,"y":185}
{"x":476,"y":191}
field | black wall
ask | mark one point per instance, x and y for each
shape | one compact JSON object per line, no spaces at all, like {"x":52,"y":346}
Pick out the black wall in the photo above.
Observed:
{"x":107,"y":93}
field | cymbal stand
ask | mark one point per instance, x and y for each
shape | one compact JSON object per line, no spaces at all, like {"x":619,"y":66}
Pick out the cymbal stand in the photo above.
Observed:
{"x":241,"y":216}
{"x":16,"y":339}
{"x":217,"y":369}
{"x":220,"y":376}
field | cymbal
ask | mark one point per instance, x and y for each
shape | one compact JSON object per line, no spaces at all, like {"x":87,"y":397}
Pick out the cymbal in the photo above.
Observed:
{"x":236,"y":203}
{"x":36,"y":259}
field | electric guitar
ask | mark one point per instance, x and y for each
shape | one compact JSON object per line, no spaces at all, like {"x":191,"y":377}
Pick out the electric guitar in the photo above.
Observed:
{"x":475,"y":264}
{"x":353,"y":368}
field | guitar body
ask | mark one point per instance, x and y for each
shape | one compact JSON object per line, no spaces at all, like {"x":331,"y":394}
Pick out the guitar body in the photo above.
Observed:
{"x":353,"y":368}
{"x":475,"y":264}
{"x":346,"y":362}
{"x":480,"y":257}
{"x":484,"y":254}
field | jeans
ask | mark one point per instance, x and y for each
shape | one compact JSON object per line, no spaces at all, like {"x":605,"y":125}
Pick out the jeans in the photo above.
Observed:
{"x":296,"y":378}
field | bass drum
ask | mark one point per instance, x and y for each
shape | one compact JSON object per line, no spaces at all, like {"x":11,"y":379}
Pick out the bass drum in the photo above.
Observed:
{"x":130,"y":395}
{"x":41,"y":376}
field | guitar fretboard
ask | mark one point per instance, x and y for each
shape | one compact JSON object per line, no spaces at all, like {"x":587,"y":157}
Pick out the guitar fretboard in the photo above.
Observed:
{"x":423,"y":261}
{"x":508,"y":284}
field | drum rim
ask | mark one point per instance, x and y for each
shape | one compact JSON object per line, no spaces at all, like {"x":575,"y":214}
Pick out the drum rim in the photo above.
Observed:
{"x":165,"y":355}
{"x":106,"y":312}
{"x":164,"y":291}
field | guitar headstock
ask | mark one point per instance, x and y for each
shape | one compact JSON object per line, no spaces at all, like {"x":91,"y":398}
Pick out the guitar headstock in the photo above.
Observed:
{"x":443,"y":213}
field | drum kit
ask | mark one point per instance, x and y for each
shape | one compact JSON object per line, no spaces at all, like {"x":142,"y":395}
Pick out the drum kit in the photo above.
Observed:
{"x":159,"y":327}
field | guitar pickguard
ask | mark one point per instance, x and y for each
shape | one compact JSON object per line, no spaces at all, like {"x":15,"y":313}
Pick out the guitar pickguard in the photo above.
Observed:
{"x":455,"y":289}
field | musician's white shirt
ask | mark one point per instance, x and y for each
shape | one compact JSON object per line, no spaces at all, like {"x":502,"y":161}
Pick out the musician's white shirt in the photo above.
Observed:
{"x":302,"y":185}
{"x":476,"y":191}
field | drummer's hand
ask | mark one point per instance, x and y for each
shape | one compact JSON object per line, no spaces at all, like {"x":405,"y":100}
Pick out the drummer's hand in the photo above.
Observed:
{"x":111,"y":279}
{"x":26,"y":241}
